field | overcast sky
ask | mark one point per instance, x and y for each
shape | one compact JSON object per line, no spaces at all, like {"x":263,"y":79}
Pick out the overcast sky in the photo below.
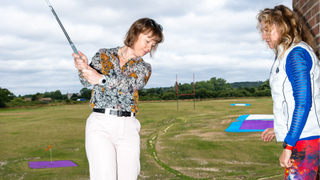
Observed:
{"x":210,"y":38}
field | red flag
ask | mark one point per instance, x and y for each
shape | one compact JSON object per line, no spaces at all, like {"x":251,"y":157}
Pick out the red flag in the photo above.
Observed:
{"x":48,"y":148}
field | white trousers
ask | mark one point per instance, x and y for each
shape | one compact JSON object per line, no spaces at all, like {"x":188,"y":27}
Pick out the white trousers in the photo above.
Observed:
{"x":113,"y":147}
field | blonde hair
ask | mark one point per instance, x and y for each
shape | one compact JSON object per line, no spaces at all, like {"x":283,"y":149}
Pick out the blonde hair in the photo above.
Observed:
{"x":289,"y":25}
{"x":145,"y":26}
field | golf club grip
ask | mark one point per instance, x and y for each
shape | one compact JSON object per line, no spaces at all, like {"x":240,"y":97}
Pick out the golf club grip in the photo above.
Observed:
{"x":75,"y":49}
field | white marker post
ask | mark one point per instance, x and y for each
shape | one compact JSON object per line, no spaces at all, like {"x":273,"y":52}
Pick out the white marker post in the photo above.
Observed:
{"x":51,"y":155}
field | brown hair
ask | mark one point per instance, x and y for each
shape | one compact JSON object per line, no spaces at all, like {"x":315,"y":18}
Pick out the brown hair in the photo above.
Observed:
{"x":145,"y":26}
{"x":290,"y":27}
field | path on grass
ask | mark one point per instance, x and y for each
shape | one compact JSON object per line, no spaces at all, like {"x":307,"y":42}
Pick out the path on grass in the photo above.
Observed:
{"x":151,"y":144}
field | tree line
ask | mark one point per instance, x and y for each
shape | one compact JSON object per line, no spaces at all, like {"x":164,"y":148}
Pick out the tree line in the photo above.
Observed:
{"x":213,"y":88}
{"x":8,"y":99}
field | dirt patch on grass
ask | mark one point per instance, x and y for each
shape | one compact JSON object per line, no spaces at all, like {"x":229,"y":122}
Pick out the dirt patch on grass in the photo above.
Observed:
{"x":32,"y":158}
{"x":3,"y":163}
{"x":222,"y":161}
{"x":191,"y":172}
{"x":272,"y":177}
{"x":144,"y":132}
{"x":142,"y":176}
{"x":199,"y":172}
{"x":212,"y":135}
{"x":201,"y":169}
{"x":226,"y":121}
{"x":158,"y":146}
{"x":205,"y":135}
{"x":244,"y":162}
{"x":255,"y":135}
{"x":199,"y":160}
{"x":232,"y":116}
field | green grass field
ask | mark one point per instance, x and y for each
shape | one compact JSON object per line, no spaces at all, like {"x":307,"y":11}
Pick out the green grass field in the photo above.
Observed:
{"x":175,"y":144}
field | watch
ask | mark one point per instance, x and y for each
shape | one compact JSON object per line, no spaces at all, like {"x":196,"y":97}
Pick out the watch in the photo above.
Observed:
{"x":103,"y":80}
{"x":287,"y":146}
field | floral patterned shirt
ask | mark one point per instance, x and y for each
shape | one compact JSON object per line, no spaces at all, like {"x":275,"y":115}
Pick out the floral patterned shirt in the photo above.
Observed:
{"x":119,"y":87}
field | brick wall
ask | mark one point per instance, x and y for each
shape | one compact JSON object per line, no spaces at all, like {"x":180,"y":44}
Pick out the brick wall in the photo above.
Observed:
{"x":310,"y":11}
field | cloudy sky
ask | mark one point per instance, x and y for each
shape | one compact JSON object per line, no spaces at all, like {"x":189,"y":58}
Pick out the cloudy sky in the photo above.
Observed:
{"x":210,"y":38}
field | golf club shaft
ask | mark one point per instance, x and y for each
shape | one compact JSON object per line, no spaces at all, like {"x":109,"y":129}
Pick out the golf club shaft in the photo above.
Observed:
{"x":64,"y":31}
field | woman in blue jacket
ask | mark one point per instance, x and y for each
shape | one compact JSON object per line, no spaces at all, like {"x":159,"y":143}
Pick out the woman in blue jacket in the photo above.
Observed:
{"x":295,"y":88}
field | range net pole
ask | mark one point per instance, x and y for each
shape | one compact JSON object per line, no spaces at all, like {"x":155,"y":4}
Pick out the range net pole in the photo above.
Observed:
{"x":194,"y":95}
{"x":177,"y":90}
{"x":194,"y":92}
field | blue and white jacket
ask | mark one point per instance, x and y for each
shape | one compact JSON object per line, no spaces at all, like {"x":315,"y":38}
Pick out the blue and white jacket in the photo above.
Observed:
{"x":295,"y":88}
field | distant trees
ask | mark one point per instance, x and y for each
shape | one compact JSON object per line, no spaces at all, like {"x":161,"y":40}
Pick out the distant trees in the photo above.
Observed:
{"x":5,"y":96}
{"x":214,"y":88}
{"x":74,"y":97}
{"x":85,"y":93}
{"x":57,"y":95}
{"x":36,"y":97}
{"x":8,"y":99}
{"x":47,"y":95}
{"x":247,"y":84}
{"x":54,"y":95}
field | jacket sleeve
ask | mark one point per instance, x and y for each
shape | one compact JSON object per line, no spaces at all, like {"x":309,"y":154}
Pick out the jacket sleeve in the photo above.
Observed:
{"x":298,"y":66}
{"x":83,"y":81}
{"x":95,"y":64}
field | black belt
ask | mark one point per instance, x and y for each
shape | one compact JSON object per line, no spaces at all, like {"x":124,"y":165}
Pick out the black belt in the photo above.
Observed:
{"x":115,"y":112}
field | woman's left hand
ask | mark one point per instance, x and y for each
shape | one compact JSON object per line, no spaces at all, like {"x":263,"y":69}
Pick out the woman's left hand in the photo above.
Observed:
{"x":284,"y":159}
{"x":91,"y":75}
{"x":268,"y":135}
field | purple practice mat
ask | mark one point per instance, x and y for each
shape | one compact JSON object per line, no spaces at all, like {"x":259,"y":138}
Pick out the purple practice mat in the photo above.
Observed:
{"x":47,"y":164}
{"x":256,"y":124}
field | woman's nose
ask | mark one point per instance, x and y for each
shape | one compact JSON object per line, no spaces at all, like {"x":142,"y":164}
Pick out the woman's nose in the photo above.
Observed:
{"x":264,"y":36}
{"x":149,"y":47}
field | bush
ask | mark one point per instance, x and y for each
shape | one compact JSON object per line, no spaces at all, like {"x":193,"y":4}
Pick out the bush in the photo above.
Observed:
{"x":267,"y":92}
{"x":238,"y":94}
{"x":68,"y":101}
{"x":5,"y":96}
{"x":18,"y":103}
{"x":259,"y":93}
{"x":18,"y":100}
{"x":169,"y":96}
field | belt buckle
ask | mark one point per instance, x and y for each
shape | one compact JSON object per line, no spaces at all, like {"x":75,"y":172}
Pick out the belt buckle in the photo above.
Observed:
{"x":119,"y":113}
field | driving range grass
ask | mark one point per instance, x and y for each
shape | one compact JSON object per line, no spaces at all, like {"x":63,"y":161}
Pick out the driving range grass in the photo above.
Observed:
{"x":175,"y":144}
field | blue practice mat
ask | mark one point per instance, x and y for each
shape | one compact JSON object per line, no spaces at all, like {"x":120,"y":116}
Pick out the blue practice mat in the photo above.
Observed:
{"x":240,"y":104}
{"x":251,"y":123}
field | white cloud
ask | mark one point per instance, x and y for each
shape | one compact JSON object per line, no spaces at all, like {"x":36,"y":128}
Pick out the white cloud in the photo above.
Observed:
{"x":204,"y":37}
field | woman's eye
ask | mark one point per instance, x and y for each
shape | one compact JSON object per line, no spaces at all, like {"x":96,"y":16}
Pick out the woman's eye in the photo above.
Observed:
{"x":147,"y":41}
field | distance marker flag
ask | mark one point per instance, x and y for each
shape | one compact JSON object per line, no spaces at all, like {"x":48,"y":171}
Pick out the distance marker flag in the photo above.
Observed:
{"x":50,"y":152}
{"x":48,"y":148}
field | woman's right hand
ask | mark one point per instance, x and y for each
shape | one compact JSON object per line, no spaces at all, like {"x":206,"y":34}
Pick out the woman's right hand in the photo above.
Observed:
{"x":268,"y":135}
{"x":80,"y":63}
